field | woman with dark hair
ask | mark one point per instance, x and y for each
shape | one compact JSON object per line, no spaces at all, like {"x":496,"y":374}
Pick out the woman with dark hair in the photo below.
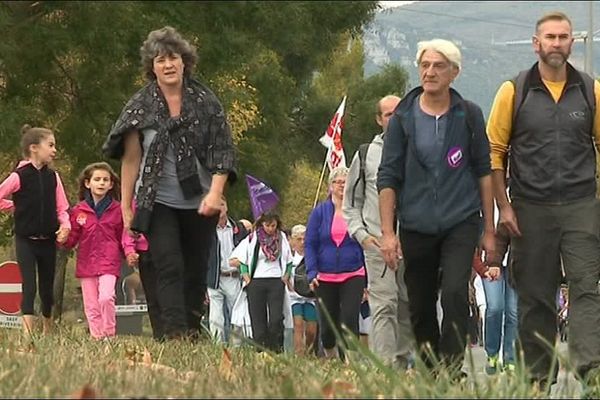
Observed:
{"x":334,"y":264}
{"x":177,"y":154}
{"x":265,"y":261}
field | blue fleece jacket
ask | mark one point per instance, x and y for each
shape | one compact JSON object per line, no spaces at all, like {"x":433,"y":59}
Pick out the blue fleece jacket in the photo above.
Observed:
{"x":426,"y":203}
{"x":320,"y":252}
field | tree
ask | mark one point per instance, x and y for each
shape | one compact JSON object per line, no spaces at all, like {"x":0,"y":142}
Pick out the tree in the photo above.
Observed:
{"x":344,"y":75}
{"x":71,"y":66}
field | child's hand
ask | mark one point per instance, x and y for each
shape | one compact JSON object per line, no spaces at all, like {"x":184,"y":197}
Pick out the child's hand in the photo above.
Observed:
{"x":62,"y":234}
{"x":133,"y":259}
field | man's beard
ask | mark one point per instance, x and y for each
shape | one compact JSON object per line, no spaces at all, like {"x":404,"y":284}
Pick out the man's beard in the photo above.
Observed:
{"x":552,"y":59}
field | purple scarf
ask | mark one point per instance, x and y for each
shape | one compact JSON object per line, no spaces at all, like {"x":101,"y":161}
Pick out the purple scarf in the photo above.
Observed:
{"x":270,"y":245}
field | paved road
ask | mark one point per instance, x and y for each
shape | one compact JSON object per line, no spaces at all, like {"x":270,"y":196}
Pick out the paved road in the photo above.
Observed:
{"x":566,"y":387}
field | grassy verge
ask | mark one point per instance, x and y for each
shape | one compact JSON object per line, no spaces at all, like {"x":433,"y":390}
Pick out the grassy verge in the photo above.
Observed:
{"x":128,"y":367}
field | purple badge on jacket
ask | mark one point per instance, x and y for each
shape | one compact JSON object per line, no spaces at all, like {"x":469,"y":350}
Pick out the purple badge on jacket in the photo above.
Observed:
{"x":455,"y":157}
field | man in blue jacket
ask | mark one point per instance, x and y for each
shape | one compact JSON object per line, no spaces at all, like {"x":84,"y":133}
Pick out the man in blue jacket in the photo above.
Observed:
{"x":435,"y":176}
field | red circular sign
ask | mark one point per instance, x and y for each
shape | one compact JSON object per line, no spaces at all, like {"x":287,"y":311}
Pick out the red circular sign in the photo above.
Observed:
{"x":11,"y":291}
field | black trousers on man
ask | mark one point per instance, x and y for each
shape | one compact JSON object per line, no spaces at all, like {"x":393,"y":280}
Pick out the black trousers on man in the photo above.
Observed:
{"x":179,"y":242}
{"x":551,"y":233}
{"x":435,"y":262}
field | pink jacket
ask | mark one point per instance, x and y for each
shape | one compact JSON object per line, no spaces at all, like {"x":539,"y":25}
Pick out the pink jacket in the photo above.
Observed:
{"x":100,"y":248}
{"x":133,"y":244}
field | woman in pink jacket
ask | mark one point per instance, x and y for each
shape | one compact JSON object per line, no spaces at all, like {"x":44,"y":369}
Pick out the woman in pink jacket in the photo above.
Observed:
{"x":97,"y":226}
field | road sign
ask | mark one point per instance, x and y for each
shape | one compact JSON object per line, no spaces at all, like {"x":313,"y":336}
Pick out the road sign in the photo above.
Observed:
{"x":11,"y":289}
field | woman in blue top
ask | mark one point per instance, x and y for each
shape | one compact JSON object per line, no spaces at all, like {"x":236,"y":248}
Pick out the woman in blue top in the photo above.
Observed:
{"x":334,"y":264}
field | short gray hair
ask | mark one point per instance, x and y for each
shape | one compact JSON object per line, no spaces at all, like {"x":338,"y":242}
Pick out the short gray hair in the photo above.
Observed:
{"x":445,"y":47}
{"x":297,"y":230}
{"x":167,"y":41}
{"x":337,"y":171}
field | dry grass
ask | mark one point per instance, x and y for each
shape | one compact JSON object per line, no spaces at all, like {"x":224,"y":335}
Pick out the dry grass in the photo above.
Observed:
{"x":69,"y":363}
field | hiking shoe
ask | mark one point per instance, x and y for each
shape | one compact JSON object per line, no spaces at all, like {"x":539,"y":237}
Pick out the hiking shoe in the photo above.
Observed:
{"x":509,"y":367}
{"x":491,"y":366}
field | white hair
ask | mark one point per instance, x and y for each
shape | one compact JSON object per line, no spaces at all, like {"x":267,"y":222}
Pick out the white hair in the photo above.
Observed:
{"x":337,"y":171}
{"x":445,"y":47}
{"x":297,"y":230}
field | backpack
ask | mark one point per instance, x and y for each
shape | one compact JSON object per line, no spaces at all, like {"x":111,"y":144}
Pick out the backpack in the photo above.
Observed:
{"x":362,"y":157}
{"x":470,"y":110}
{"x":301,"y":283}
{"x":521,"y":89}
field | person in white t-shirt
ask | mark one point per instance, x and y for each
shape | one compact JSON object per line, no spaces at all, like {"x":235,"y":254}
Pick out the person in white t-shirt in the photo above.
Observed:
{"x":265,"y":261}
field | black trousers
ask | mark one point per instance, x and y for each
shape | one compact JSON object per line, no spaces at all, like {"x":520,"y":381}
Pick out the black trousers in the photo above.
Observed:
{"x":342,"y":302}
{"x":435,"y":262}
{"x":41,"y":254}
{"x":180,"y":241}
{"x":148,"y":278}
{"x":265,"y":305}
{"x":549,"y":234}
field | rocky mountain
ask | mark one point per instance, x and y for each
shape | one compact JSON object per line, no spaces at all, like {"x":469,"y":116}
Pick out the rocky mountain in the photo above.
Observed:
{"x":494,"y":38}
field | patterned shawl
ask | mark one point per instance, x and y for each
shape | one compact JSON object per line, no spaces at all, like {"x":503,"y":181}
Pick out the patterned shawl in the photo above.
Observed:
{"x":200,"y":132}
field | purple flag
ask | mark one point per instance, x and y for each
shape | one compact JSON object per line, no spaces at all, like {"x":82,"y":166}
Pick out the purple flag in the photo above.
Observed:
{"x":262,"y":197}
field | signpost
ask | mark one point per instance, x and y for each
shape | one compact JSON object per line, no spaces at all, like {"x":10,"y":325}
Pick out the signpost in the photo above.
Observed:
{"x":11,"y":293}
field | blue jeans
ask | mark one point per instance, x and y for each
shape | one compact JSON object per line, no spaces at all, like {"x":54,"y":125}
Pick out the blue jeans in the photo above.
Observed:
{"x":500,"y":312}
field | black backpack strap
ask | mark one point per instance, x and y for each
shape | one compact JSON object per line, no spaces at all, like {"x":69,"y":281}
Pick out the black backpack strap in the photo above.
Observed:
{"x":362,"y":157}
{"x":588,"y":91}
{"x":241,"y":233}
{"x":254,"y":257}
{"x":521,"y":87}
{"x":519,"y":83}
{"x":470,"y":110}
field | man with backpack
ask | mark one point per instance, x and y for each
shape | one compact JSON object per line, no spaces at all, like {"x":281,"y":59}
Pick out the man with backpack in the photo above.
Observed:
{"x":391,"y":334}
{"x":543,"y":125}
{"x":435,"y":178}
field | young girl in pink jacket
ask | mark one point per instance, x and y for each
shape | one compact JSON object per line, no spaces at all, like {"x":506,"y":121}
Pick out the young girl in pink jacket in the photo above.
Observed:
{"x":97,"y":226}
{"x":40,"y":208}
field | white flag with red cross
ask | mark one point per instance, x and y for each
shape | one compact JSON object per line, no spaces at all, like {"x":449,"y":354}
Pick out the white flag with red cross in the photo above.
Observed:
{"x":332,"y":139}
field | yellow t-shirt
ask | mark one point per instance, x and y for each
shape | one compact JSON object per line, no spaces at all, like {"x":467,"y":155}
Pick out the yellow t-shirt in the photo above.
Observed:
{"x":499,"y":126}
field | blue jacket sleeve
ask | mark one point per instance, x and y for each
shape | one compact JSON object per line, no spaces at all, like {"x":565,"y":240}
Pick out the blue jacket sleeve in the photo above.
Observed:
{"x":391,"y":169}
{"x":481,"y":146}
{"x":312,"y":243}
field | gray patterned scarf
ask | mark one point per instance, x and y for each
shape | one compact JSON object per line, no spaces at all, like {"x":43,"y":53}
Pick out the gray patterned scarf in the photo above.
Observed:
{"x":189,"y":134}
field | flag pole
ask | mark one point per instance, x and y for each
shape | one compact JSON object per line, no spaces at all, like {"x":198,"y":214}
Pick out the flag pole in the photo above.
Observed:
{"x":321,"y":179}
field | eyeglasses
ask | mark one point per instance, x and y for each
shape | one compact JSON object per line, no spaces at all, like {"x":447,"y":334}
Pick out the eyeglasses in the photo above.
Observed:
{"x":338,"y":182}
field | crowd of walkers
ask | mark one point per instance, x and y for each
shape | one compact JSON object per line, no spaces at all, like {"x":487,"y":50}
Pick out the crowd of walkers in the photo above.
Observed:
{"x":396,"y":240}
